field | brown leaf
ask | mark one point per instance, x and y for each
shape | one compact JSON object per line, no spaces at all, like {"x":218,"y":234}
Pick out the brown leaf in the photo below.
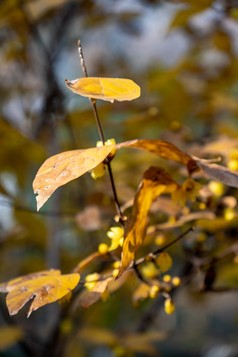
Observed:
{"x":155,"y":182}
{"x":218,"y":172}
{"x":163,"y":149}
{"x":89,"y":219}
{"x":87,"y":298}
{"x":44,"y":287}
{"x":65,"y":167}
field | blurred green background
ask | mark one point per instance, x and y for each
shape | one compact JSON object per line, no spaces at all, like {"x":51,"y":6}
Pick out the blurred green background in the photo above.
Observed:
{"x":184,"y":56}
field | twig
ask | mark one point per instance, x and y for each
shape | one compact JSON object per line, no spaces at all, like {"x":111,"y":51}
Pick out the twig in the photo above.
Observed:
{"x":101,"y":134}
{"x":156,"y":252}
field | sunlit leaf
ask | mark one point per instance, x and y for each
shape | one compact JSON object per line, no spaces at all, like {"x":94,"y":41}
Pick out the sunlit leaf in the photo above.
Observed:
{"x":43,"y":287}
{"x":155,"y":182}
{"x":108,"y":89}
{"x":65,"y":167}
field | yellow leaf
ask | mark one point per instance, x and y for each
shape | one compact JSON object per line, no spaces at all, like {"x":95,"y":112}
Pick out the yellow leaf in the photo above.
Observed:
{"x":65,"y":167}
{"x":189,"y":190}
{"x":43,"y":287}
{"x":108,"y":89}
{"x":164,"y":262}
{"x":155,"y":182}
{"x":141,"y":292}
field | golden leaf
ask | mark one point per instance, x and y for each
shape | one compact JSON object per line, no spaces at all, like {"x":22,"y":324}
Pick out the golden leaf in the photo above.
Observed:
{"x":108,"y":89}
{"x":164,"y":261}
{"x":44,"y":287}
{"x":65,"y":167}
{"x":155,"y":182}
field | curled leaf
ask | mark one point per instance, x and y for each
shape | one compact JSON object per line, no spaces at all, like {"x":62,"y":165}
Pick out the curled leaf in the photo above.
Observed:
{"x":163,"y":149}
{"x":65,"y":167}
{"x":108,"y":89}
{"x":155,"y":182}
{"x":218,"y":172}
{"x":43,"y":287}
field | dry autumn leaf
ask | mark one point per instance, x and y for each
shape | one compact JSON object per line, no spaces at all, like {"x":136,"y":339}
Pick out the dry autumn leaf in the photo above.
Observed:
{"x":218,"y":172}
{"x":108,"y":89}
{"x":155,"y":182}
{"x":43,"y":287}
{"x":65,"y":167}
{"x":163,"y":149}
{"x":87,"y":298}
{"x":171,"y":152}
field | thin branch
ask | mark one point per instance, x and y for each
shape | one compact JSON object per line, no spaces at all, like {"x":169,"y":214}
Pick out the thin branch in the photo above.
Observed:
{"x":101,"y":134}
{"x":152,"y":255}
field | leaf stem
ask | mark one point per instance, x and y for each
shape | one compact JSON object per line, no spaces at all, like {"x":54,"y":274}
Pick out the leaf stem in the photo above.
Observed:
{"x":102,"y":137}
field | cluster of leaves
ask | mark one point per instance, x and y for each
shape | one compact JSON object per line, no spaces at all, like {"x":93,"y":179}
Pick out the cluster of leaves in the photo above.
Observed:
{"x":49,"y":286}
{"x":193,"y":99}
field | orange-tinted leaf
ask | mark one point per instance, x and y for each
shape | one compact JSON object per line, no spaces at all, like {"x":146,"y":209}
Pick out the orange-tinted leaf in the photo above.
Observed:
{"x":108,"y":89}
{"x":155,"y":182}
{"x":65,"y":167}
{"x":163,"y":149}
{"x":87,"y":298}
{"x":44,"y":287}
